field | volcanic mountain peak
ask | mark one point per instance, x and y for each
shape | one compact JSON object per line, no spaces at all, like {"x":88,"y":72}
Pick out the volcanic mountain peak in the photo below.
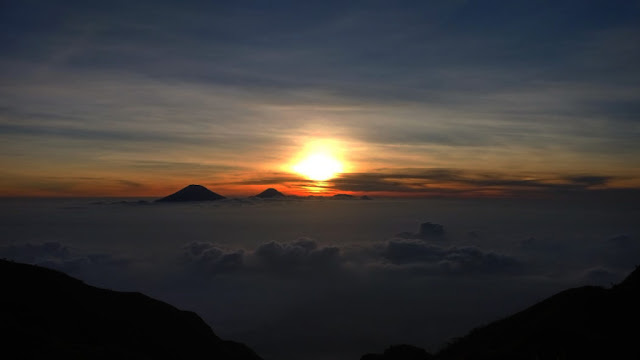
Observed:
{"x":192,"y":193}
{"x":270,"y":193}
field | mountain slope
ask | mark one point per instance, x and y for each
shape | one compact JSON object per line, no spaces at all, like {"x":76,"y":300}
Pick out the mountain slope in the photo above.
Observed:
{"x":46,"y":313}
{"x":270,"y":193}
{"x":403,"y":352}
{"x":581,"y":323}
{"x":192,"y":193}
{"x":586,"y":322}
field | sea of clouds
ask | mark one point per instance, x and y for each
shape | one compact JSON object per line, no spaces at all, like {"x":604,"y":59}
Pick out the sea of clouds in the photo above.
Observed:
{"x":331,"y":279}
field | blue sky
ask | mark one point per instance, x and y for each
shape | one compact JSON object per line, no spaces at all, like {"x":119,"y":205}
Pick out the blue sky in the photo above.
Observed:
{"x":223,"y":93}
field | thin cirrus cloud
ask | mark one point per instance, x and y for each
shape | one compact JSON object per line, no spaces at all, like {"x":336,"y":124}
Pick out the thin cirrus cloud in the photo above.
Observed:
{"x":448,"y":84}
{"x":443,"y":181}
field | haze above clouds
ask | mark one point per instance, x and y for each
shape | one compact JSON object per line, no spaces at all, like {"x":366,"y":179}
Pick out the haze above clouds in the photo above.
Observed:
{"x":331,"y":279}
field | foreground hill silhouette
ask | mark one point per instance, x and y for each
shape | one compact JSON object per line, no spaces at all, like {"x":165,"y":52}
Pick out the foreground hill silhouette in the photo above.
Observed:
{"x":47,"y":314}
{"x":270,"y":193}
{"x":581,"y":323}
{"x":192,"y":193}
{"x":403,"y":352}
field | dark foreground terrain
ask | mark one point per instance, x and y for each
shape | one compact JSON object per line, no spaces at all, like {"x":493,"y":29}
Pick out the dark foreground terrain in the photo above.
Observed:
{"x":47,"y":314}
{"x":582,"y":323}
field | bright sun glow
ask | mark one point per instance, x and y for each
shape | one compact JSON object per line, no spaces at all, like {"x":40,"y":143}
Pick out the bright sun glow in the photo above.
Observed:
{"x":319,"y":167}
{"x":319,"y":163}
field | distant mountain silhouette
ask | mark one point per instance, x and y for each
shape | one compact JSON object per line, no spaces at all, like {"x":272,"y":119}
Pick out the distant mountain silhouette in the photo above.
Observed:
{"x":350,"y":197}
{"x":343,"y":196}
{"x":47,"y":314}
{"x":192,"y":193}
{"x":270,"y":193}
{"x":581,"y":323}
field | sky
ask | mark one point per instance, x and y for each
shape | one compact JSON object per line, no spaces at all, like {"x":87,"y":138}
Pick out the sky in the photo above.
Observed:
{"x":414,"y":98}
{"x":513,"y":124}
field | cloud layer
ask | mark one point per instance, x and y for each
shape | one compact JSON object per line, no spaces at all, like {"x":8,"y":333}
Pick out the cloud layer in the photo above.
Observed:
{"x":341,"y":276}
{"x":60,"y":257}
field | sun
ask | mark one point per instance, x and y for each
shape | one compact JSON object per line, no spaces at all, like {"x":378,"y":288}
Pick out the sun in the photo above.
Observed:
{"x":319,"y":162}
{"x":318,"y":167}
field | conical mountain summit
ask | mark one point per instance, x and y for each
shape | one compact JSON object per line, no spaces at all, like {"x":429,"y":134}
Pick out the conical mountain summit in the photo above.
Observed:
{"x":270,"y":193}
{"x":192,"y":193}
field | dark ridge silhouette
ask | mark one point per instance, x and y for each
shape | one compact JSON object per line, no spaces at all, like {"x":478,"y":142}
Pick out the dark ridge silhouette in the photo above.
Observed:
{"x":581,"y":323}
{"x":343,"y":196}
{"x":192,"y":193}
{"x":365,"y":197}
{"x":588,"y":322}
{"x":270,"y":193}
{"x":400,"y":352}
{"x":631,"y":283}
{"x":47,"y":314}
